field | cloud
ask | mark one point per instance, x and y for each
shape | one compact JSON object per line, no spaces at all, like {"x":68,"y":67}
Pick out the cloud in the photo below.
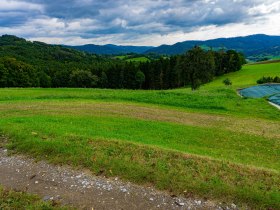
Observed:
{"x":14,"y":12}
{"x":151,"y":22}
{"x":13,"y":5}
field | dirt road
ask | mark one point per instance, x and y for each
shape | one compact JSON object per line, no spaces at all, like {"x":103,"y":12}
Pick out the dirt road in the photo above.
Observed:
{"x":85,"y":191}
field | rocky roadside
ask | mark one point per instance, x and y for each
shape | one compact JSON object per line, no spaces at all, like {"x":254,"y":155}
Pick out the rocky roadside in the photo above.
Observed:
{"x":83,"y":190}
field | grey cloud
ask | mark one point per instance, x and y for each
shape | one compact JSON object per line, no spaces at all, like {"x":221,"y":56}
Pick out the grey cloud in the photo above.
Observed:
{"x":92,"y":18}
{"x":14,"y":13}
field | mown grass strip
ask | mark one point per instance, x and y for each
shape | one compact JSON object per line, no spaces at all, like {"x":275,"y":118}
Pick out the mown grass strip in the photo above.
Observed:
{"x":260,"y":127}
{"x":215,"y":100}
{"x":212,"y":142}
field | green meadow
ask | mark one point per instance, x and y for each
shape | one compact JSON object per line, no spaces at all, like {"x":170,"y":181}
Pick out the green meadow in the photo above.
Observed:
{"x":130,"y":58}
{"x":209,"y":143}
{"x":249,"y":74}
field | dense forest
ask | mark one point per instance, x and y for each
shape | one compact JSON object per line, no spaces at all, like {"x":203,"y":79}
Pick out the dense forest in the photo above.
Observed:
{"x":35,"y":64}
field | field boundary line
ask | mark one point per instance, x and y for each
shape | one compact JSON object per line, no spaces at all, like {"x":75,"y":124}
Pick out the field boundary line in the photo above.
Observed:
{"x":275,"y":105}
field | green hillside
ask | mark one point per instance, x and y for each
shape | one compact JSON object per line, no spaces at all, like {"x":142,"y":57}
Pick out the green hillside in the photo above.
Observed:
{"x":132,"y":58}
{"x":249,"y":75}
{"x":209,"y":143}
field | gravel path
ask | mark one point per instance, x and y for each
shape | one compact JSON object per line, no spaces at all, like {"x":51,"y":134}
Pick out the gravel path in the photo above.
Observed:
{"x":85,"y":191}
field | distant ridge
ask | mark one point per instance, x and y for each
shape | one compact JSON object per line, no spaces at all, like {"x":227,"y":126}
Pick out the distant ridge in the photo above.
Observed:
{"x":111,"y":49}
{"x":255,"y":47}
{"x":252,"y":45}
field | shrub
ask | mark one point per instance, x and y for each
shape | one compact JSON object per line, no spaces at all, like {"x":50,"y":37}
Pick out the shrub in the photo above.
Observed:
{"x":227,"y":82}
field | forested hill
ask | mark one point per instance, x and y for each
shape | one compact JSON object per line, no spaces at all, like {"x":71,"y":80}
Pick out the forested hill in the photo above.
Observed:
{"x":31,"y":64}
{"x":252,"y":46}
{"x":35,"y":64}
{"x":38,"y":52}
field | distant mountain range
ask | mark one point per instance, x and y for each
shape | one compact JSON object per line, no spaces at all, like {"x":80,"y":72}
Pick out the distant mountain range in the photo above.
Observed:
{"x":249,"y":45}
{"x":253,"y":46}
{"x":111,"y":49}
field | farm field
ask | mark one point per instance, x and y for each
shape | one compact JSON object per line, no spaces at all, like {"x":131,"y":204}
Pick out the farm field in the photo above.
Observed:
{"x":260,"y":91}
{"x":209,"y":143}
{"x":275,"y":99}
{"x":270,"y":91}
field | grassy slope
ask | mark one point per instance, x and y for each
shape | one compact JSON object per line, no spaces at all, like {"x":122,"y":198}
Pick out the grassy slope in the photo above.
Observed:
{"x":224,"y":146}
{"x":139,"y":59}
{"x":249,"y":75}
{"x":129,"y":59}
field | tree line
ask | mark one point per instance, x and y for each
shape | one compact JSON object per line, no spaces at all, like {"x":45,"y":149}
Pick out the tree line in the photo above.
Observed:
{"x":265,"y":80}
{"x":34,"y":64}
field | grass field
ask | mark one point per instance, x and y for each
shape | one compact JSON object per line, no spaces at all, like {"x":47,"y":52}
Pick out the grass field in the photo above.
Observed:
{"x":128,"y":58}
{"x":209,"y":143}
{"x":139,"y":59}
{"x":250,"y":74}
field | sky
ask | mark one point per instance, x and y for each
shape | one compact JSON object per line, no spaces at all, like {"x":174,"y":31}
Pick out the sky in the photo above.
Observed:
{"x":137,"y":22}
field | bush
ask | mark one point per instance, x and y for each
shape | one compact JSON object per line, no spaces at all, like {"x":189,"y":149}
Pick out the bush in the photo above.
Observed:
{"x":227,"y":82}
